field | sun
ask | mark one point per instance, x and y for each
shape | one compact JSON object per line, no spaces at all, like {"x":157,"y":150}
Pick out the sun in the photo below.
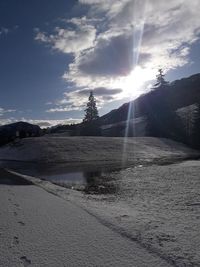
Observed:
{"x":133,"y":84}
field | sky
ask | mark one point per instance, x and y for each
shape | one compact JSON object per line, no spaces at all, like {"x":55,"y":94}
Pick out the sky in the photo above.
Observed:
{"x":54,"y":52}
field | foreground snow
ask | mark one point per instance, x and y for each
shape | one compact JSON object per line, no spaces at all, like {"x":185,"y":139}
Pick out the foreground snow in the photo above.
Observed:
{"x":156,"y":206}
{"x":40,"y":229}
{"x":88,"y":150}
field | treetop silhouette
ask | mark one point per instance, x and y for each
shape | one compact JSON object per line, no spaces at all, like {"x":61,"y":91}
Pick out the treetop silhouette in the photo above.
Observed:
{"x":91,"y":112}
{"x":160,"y":77}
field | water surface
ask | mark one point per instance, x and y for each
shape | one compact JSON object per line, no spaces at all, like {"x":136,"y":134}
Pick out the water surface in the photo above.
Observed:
{"x":91,"y":179}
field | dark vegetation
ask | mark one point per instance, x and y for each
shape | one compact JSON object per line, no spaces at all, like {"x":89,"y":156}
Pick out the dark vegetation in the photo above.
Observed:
{"x":91,"y":112}
{"x":194,"y":138}
{"x":91,"y":124}
{"x":71,"y":129}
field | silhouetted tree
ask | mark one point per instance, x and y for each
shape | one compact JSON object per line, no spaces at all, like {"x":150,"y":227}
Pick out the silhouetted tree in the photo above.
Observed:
{"x":91,"y":124}
{"x":161,"y":82}
{"x":91,"y":112}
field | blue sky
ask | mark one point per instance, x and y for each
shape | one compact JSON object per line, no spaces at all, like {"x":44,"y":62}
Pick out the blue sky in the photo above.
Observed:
{"x":54,"y":52}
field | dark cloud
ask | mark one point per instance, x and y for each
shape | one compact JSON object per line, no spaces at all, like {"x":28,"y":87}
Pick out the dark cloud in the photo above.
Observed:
{"x":143,"y":58}
{"x":107,"y":98}
{"x":44,"y":124}
{"x":105,"y":91}
{"x":112,"y":57}
{"x":101,"y":91}
{"x":150,"y":34}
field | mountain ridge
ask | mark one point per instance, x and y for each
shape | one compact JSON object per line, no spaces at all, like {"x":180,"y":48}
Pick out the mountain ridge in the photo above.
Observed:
{"x":180,"y":93}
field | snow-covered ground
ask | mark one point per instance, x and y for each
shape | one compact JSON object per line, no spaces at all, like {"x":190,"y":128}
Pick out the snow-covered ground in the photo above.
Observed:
{"x":153,"y":206}
{"x":159,"y":206}
{"x":156,"y":207}
{"x":40,"y":229}
{"x":83,"y":150}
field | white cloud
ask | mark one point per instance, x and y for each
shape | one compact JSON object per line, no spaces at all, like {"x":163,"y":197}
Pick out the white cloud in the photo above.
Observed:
{"x":50,"y":123}
{"x":70,"y":101}
{"x":77,"y":100}
{"x":68,"y":40}
{"x":114,"y":37}
{"x":62,"y":109}
{"x":161,"y":32}
{"x":4,"y":111}
{"x":90,"y":2}
{"x":4,"y":30}
{"x":42,"y":123}
{"x":6,"y":121}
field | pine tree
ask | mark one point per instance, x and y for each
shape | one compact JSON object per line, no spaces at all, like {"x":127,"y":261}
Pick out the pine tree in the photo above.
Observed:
{"x":161,"y":82}
{"x":91,"y":112}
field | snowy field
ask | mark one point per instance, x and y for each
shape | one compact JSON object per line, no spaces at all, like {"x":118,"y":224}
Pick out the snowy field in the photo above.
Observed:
{"x":152,"y":205}
{"x":156,"y":207}
{"x":95,"y":150}
{"x":42,"y":230}
{"x":159,"y":207}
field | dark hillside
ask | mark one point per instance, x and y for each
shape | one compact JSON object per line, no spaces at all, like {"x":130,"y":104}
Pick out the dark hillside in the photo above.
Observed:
{"x":179,"y":93}
{"x":10,"y":132}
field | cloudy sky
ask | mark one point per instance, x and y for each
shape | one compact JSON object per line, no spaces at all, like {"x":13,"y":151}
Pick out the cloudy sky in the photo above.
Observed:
{"x":53,"y":52}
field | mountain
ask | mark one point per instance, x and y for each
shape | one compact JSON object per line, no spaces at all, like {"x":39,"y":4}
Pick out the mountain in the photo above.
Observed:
{"x":10,"y":132}
{"x":180,"y":93}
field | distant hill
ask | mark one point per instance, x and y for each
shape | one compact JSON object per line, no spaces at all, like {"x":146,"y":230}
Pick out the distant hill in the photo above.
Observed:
{"x":180,"y":93}
{"x":10,"y":132}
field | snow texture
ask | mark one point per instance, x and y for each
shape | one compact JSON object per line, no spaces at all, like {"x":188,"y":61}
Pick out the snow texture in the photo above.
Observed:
{"x":156,"y":207}
{"x":40,"y":229}
{"x":152,"y":220}
{"x":83,"y":150}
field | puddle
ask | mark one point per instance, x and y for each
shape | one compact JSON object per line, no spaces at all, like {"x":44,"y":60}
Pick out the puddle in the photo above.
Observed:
{"x":96,"y":182}
{"x":89,"y":179}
